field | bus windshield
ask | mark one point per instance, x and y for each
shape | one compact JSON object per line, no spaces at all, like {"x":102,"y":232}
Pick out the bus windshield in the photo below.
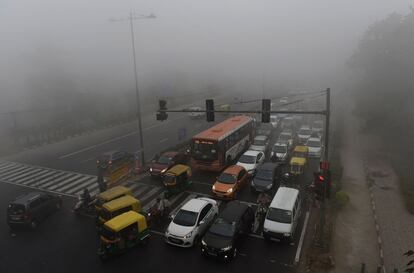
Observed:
{"x":205,"y":151}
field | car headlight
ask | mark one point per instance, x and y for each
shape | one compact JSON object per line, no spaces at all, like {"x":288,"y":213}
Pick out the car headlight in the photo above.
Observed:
{"x":214,"y":187}
{"x":203,"y":243}
{"x":226,"y":248}
{"x":250,"y":171}
{"x":230,"y":190}
{"x":286,"y":234}
{"x":188,"y":235}
{"x":269,"y":186}
{"x":163,"y":171}
{"x":150,"y":169}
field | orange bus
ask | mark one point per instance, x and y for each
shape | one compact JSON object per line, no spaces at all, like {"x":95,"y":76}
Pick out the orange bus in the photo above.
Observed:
{"x":219,"y":146}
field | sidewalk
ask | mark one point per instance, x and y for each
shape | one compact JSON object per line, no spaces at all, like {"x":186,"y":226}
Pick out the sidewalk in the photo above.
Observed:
{"x":375,"y":228}
{"x":396,"y":224}
{"x":354,"y":238}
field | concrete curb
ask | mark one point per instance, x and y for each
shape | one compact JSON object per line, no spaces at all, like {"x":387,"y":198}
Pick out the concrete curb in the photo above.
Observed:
{"x":374,"y":212}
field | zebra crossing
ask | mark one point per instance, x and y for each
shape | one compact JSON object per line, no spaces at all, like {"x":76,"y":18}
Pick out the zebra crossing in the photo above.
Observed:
{"x":72,"y":183}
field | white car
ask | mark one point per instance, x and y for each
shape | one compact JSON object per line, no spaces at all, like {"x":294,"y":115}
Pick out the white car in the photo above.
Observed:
{"x":191,"y":221}
{"x":196,"y":114}
{"x":260,"y":144}
{"x":314,"y":146}
{"x":274,"y":120}
{"x":286,"y":136}
{"x":280,"y":151}
{"x":317,"y":127}
{"x":304,"y":133}
{"x":250,"y":160}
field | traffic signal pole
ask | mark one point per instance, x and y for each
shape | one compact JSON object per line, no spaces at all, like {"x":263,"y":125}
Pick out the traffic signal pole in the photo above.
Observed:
{"x":322,"y":219}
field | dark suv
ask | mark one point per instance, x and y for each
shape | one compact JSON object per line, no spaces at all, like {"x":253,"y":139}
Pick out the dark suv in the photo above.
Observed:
{"x":29,"y":209}
{"x":224,"y":236}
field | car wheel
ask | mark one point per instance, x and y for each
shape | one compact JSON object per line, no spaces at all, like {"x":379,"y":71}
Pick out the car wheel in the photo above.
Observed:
{"x":33,"y":224}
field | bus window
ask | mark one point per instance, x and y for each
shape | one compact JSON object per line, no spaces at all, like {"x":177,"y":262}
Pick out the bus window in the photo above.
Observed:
{"x":205,"y":151}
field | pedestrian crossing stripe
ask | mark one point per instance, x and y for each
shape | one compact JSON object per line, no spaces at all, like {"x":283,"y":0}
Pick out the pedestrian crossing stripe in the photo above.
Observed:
{"x":72,"y":183}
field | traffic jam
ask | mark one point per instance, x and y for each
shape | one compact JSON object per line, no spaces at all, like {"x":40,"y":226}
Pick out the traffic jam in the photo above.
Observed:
{"x":237,"y":157}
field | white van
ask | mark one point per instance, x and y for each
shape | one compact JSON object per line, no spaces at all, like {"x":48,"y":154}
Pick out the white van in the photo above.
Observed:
{"x":283,"y":215}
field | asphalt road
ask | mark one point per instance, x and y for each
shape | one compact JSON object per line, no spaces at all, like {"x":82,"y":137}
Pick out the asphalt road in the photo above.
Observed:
{"x":65,"y":243}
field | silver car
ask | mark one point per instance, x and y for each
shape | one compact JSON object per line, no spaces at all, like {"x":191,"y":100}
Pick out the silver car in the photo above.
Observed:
{"x":260,"y":144}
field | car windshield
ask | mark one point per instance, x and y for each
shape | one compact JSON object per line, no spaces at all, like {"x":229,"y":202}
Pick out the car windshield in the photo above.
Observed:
{"x":227,"y":178}
{"x":263,"y":132}
{"x":259,"y":142}
{"x":305,"y":132}
{"x":204,"y":151}
{"x":279,"y":215}
{"x":169,"y":178}
{"x":222,"y":228}
{"x":164,"y":160}
{"x":279,"y":148}
{"x":314,"y":143}
{"x":185,"y":218}
{"x":248,"y":159}
{"x":264,"y":174}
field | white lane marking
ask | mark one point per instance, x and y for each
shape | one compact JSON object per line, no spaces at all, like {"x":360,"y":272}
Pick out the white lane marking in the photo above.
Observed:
{"x":113,"y":139}
{"x":163,"y":140}
{"x":87,"y":183}
{"x":73,"y":185}
{"x":302,"y":238}
{"x":157,"y":232}
{"x":37,"y":188}
{"x":96,"y":145}
{"x":149,"y":194}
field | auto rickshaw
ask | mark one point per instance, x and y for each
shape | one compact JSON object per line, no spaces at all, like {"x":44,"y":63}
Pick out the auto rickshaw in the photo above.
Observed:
{"x":299,"y":160}
{"x":109,"y":195}
{"x":121,"y":233}
{"x":116,"y":207}
{"x":177,"y":179}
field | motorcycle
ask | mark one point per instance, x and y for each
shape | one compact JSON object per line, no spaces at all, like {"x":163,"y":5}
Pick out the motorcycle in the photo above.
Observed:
{"x":81,"y":208}
{"x":259,"y":217}
{"x":155,"y":215}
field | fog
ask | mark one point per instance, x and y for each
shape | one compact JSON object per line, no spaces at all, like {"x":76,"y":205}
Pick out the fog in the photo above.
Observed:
{"x":51,"y":51}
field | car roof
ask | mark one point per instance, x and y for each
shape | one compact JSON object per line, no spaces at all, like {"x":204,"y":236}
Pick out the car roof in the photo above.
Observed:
{"x":261,"y":137}
{"x":120,"y":202}
{"x":194,"y":205}
{"x":285,"y":198}
{"x":267,"y":166}
{"x":252,"y":152}
{"x":233,"y":169}
{"x":281,"y":143}
{"x":301,"y":148}
{"x":28,"y":197}
{"x":169,"y":154}
{"x":233,"y":211}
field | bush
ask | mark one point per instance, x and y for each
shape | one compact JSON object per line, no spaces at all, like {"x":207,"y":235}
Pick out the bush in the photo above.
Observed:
{"x":341,"y":198}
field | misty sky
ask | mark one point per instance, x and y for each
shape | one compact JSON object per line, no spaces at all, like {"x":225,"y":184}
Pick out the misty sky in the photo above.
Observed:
{"x":298,"y":44}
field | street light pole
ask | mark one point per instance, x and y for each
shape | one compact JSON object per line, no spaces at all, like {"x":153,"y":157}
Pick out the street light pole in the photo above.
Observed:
{"x":141,"y":136}
{"x":131,"y":17}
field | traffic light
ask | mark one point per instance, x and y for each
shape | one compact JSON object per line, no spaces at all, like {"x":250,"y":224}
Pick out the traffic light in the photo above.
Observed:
{"x":161,"y":114}
{"x":210,"y":110}
{"x":266,"y":110}
{"x":319,"y":186}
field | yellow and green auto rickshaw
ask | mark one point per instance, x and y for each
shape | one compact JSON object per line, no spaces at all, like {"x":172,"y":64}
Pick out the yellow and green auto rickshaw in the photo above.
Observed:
{"x":299,"y":160}
{"x":116,"y":207}
{"x":122,"y":233}
{"x":177,"y":179}
{"x":109,"y":195}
